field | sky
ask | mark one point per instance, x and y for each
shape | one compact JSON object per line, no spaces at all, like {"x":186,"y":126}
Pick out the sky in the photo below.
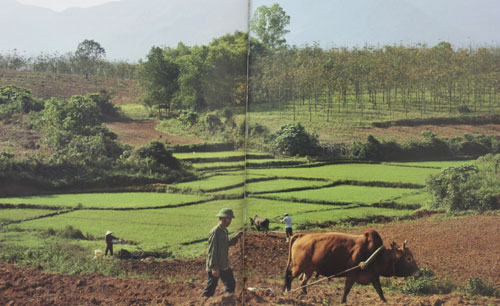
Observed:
{"x":61,"y":5}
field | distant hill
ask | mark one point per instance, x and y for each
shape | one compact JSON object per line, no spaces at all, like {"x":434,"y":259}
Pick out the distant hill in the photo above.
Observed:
{"x":380,"y":22}
{"x":129,"y":28}
{"x":126,"y":29}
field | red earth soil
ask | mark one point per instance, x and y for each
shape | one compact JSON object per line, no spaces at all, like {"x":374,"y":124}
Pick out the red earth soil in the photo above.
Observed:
{"x":139,"y":133}
{"x":457,"y":248}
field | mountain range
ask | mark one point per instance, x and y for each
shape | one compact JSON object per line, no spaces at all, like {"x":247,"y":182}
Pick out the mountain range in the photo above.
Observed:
{"x":127,"y":29}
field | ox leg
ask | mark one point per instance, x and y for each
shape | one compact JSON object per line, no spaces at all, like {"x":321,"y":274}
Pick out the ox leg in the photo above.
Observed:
{"x":378,"y":287}
{"x":307,"y":275}
{"x":348,"y":285}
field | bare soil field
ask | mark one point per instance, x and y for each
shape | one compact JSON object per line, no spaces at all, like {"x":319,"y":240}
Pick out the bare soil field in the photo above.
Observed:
{"x":457,"y":248}
{"x":406,"y":133}
{"x":16,"y":139}
{"x":139,"y":133}
{"x":63,"y":86}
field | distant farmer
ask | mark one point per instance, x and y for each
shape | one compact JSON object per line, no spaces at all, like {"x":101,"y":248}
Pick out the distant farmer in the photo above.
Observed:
{"x":110,"y":239}
{"x":218,"y":255}
{"x":288,"y":226}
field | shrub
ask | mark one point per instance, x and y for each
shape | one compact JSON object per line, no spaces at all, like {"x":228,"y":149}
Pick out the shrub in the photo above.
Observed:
{"x":103,"y":102}
{"x":188,"y":118}
{"x":227,"y":114}
{"x":17,"y":100}
{"x":212,"y":123}
{"x":476,"y":286}
{"x":469,"y":187}
{"x":61,"y":257}
{"x":463,"y":109}
{"x":156,"y":152}
{"x":292,"y":140}
{"x":72,"y":233}
{"x":427,"y":284}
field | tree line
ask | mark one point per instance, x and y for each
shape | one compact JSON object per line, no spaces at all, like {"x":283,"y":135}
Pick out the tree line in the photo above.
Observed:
{"x":88,"y":59}
{"x":390,"y":78}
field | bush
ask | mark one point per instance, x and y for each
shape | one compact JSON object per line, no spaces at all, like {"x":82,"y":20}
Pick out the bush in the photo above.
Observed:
{"x":463,"y":109}
{"x":17,"y":100}
{"x":72,"y":233}
{"x":476,"y":286}
{"x":212,"y":123}
{"x":61,"y":257}
{"x":427,"y":284}
{"x":292,"y":140}
{"x":469,"y":187}
{"x":103,"y":102}
{"x":156,"y":152}
{"x":188,"y":118}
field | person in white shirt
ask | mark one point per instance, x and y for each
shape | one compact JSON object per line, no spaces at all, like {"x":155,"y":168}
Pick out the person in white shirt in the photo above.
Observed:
{"x":288,"y":226}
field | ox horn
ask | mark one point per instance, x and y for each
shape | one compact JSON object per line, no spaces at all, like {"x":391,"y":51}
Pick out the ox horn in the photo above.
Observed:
{"x":404,"y":244}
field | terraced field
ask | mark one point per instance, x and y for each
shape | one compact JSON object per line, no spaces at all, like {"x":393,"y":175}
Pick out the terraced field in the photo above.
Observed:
{"x":312,"y":194}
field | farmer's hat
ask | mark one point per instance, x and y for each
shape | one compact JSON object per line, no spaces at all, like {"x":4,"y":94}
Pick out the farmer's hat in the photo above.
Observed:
{"x":286,"y":214}
{"x":226,"y":213}
{"x":109,"y":232}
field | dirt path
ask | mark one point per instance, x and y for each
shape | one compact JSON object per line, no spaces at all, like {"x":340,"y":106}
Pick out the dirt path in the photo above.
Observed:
{"x":139,"y":133}
{"x":457,"y":248}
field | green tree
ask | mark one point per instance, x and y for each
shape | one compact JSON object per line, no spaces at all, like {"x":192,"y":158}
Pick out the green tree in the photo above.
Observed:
{"x":269,"y":24}
{"x":88,"y":55}
{"x":293,"y":139}
{"x":158,"y":80}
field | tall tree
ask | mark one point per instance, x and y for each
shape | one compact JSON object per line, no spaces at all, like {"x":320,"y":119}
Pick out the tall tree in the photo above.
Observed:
{"x":157,"y":79}
{"x":87,"y":55}
{"x":269,"y":24}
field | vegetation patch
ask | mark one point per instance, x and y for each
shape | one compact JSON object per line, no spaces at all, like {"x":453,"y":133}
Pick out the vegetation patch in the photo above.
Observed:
{"x":106,"y":200}
{"x":353,"y":171}
{"x":15,"y":214}
{"x":468,"y":187}
{"x":428,"y":284}
{"x":150,"y":229}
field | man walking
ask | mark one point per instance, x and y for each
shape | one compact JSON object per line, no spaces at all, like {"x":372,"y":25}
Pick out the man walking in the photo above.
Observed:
{"x":218,"y":255}
{"x":288,"y":226}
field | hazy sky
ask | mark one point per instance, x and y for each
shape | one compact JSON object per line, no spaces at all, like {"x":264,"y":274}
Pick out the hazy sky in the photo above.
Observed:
{"x":60,"y":5}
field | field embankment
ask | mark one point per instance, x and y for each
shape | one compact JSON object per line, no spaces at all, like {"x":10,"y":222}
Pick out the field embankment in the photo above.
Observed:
{"x":458,"y":250}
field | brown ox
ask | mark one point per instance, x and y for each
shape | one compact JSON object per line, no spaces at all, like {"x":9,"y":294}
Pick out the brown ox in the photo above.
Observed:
{"x":260,"y":223}
{"x":331,"y":253}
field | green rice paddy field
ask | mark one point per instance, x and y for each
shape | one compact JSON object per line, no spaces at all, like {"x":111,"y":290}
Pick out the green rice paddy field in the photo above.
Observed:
{"x":181,"y":221}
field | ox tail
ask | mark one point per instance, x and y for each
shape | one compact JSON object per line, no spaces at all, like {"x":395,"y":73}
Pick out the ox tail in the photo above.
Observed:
{"x":288,"y":272}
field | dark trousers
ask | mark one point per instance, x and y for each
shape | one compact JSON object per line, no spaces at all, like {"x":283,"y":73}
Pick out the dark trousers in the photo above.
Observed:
{"x":288,"y":232}
{"x":109,"y":247}
{"x":227,"y":278}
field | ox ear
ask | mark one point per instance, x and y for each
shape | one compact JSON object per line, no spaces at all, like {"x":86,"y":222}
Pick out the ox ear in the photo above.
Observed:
{"x":394,"y":246}
{"x":404,"y":244}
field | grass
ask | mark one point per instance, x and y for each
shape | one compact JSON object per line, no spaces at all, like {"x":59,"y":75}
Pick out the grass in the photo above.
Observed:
{"x":212,"y":165}
{"x":106,"y":200}
{"x":303,"y":213}
{"x":361,"y":172}
{"x":346,"y":194}
{"x":183,"y":230}
{"x":13,"y":214}
{"x":135,"y":111}
{"x":208,"y":154}
{"x":213,"y":182}
{"x":280,"y":184}
{"x":271,"y":186}
{"x":418,"y":197}
{"x":151,"y":229}
{"x":434,"y":164}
